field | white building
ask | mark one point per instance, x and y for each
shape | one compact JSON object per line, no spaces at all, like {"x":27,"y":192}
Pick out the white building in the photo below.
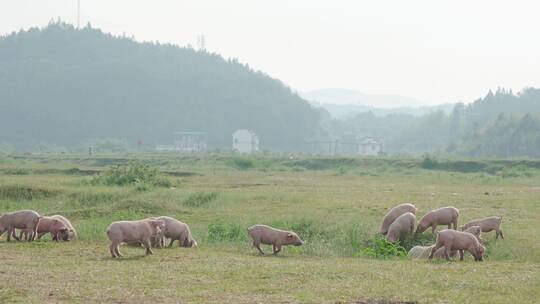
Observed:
{"x":186,"y":142}
{"x":370,"y":146}
{"x":190,"y":141}
{"x":245,"y":141}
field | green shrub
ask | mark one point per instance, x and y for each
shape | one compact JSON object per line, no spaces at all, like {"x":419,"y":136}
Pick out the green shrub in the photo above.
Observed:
{"x":200,"y":199}
{"x":19,"y":192}
{"x":226,"y":232}
{"x":428,"y":161}
{"x":16,"y":171}
{"x":306,"y":229}
{"x":242,"y":163}
{"x":133,"y":173}
{"x":515,"y":171}
{"x":381,"y":248}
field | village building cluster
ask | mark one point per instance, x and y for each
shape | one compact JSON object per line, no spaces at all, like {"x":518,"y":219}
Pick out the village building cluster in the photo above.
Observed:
{"x":246,"y":141}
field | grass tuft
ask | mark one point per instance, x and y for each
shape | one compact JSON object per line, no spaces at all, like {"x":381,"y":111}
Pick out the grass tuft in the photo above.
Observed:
{"x":200,"y":199}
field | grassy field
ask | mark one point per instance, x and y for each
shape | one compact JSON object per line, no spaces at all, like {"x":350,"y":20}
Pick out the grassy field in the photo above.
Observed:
{"x":335,"y":204}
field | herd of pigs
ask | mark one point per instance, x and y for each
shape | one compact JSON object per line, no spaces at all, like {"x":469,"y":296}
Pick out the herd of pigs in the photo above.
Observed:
{"x":399,"y":222}
{"x":152,"y":232}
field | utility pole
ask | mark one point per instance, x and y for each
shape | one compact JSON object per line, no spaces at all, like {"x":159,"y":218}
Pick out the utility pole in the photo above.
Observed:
{"x":201,"y":42}
{"x":78,"y":13}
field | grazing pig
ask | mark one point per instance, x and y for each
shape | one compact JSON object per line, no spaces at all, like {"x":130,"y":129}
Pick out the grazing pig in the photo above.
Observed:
{"x":393,"y":214}
{"x":24,"y":219}
{"x":262,"y":234}
{"x":175,"y":230}
{"x":441,"y":216}
{"x":133,"y":232}
{"x":476,"y":231}
{"x":422,"y":252}
{"x":460,"y":241}
{"x":71,"y":233}
{"x":487,"y":224}
{"x":46,"y":225}
{"x":402,"y":226}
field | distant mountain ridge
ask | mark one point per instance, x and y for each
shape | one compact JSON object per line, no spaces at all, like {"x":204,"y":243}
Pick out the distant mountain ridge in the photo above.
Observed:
{"x":346,"y":103}
{"x":347,"y":111}
{"x":352,"y":97}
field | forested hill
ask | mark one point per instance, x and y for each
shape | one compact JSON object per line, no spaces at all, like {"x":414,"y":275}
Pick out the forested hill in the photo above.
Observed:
{"x":64,"y":86}
{"x":502,"y":124}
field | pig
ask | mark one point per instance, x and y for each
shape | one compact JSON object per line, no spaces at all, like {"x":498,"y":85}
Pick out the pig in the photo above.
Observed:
{"x":71,"y":233}
{"x":262,"y":234}
{"x":476,"y":231}
{"x":133,"y":232}
{"x":442,"y":216}
{"x":422,"y":252}
{"x":460,"y":241}
{"x":393,"y":214}
{"x":175,"y":230}
{"x":402,"y":226}
{"x":487,"y":224}
{"x":24,"y":219}
{"x":48,"y":225}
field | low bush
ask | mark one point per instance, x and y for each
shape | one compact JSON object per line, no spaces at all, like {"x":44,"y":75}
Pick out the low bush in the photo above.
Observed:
{"x":428,"y":162}
{"x":16,"y":171}
{"x":241,"y":163}
{"x":379,"y":247}
{"x":133,"y":173}
{"x":19,"y":192}
{"x":200,"y":199}
{"x":226,"y":232}
{"x":515,"y":171}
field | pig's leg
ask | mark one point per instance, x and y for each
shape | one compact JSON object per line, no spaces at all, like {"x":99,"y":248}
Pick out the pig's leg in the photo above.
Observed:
{"x":112,"y":249}
{"x":447,"y":252}
{"x":498,"y":232}
{"x":277,"y":248}
{"x":10,"y":232}
{"x":450,"y":226}
{"x":148,"y":247}
{"x":258,"y":246}
{"x":455,"y":224}
{"x":172,"y":241}
{"x":21,"y":234}
{"x":460,"y":254}
{"x":14,"y":235}
{"x":437,"y":246}
{"x":433,"y":228}
{"x":117,"y":250}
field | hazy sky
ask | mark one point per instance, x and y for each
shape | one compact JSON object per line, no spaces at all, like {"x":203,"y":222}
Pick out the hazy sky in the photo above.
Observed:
{"x":436,"y":51}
